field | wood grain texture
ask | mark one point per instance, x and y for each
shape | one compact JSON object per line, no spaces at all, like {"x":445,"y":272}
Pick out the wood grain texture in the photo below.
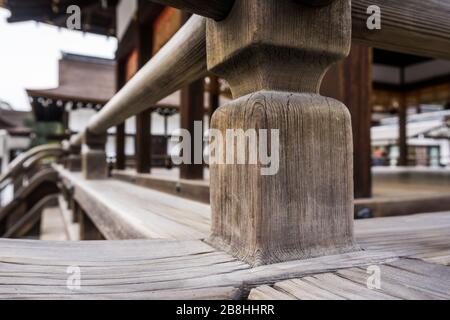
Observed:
{"x":156,"y":269}
{"x":406,"y":26}
{"x":413,"y":26}
{"x":403,"y":279}
{"x":253,"y":49}
{"x":162,"y":269}
{"x":303,"y":210}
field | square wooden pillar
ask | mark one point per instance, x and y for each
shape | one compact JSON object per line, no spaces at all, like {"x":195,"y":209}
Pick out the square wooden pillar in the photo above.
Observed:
{"x":73,"y":161}
{"x":93,"y":156}
{"x":274,"y":54}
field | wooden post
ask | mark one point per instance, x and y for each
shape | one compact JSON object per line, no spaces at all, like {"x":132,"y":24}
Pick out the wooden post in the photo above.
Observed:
{"x":274,"y":54}
{"x":350,"y":81}
{"x":402,"y":123}
{"x":120,"y":129}
{"x":120,"y":147}
{"x":143,"y":142}
{"x":191,"y":110}
{"x":93,"y":156}
{"x":143,"y":119}
{"x":73,"y":162}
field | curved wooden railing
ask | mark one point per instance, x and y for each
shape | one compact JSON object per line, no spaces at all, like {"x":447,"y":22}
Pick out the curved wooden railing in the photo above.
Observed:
{"x":27,"y":159}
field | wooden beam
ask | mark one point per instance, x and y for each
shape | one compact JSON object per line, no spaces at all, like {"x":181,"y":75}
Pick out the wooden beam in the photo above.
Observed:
{"x":214,"y":9}
{"x":303,"y":205}
{"x":420,"y":22}
{"x":405,"y":26}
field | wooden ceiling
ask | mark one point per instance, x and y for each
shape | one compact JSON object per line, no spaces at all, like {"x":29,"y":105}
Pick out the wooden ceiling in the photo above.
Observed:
{"x":98,"y":16}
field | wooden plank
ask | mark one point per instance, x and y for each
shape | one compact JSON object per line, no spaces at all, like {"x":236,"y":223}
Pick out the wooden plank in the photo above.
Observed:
{"x":142,"y":269}
{"x":149,"y":214}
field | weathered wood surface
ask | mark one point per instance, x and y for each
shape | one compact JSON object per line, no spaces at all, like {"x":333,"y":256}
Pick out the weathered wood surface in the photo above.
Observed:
{"x":303,"y":208}
{"x":405,"y":279}
{"x":124,"y":211}
{"x":422,"y":236}
{"x":406,"y":26}
{"x":152,"y":269}
{"x":161,"y":269}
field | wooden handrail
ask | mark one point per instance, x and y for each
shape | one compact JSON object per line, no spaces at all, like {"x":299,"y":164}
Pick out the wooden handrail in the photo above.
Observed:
{"x":36,"y":153}
{"x":181,"y":61}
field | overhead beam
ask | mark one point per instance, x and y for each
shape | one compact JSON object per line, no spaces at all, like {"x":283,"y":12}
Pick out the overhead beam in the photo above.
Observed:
{"x":405,"y":26}
{"x":214,"y":9}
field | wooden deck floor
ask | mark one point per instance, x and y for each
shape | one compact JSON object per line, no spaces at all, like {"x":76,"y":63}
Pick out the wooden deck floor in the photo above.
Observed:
{"x":413,"y":253}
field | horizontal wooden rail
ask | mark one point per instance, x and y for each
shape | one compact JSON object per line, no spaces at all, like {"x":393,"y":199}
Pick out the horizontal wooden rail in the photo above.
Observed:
{"x":412,"y":26}
{"x":181,"y":61}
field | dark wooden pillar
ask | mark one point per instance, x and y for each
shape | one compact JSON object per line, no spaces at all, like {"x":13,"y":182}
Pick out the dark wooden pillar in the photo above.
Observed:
{"x":144,"y":40}
{"x":214,"y":94}
{"x":402,"y":122}
{"x":350,"y":81}
{"x":120,"y":129}
{"x":120,"y":147}
{"x":192,"y":109}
